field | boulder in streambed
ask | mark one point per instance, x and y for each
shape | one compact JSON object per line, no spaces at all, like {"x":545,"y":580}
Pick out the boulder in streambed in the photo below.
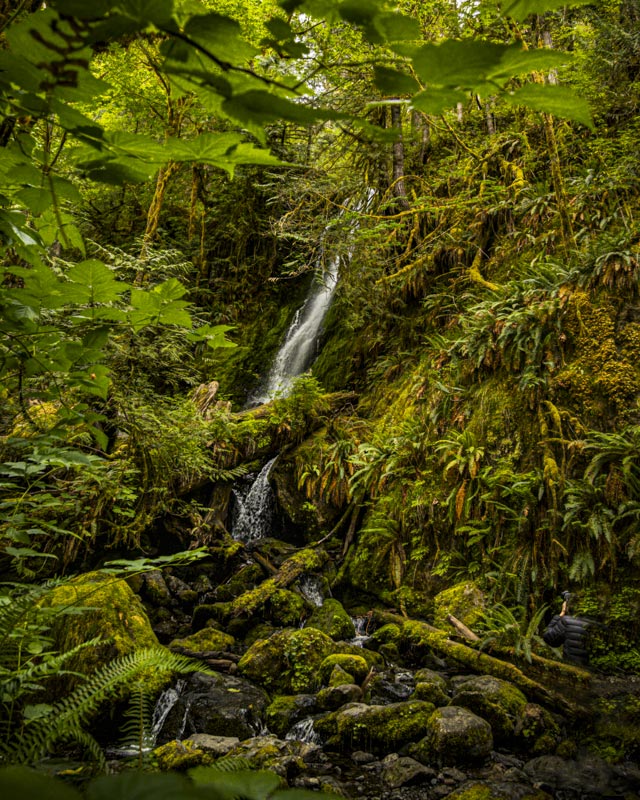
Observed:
{"x":431,"y":686}
{"x":289,"y":661}
{"x":495,"y":700}
{"x":217,"y":704}
{"x":332,"y":619}
{"x":333,"y":697}
{"x":282,"y":714}
{"x":454,"y":736}
{"x":111,"y":611}
{"x":355,"y":666}
{"x":206,"y":640}
{"x":378,"y":729}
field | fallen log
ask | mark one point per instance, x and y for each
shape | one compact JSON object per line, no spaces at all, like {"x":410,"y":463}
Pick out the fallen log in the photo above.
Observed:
{"x":420,"y":634}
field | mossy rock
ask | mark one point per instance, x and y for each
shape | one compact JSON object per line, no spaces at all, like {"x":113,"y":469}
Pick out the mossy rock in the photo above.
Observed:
{"x":332,"y":619}
{"x":455,"y":736}
{"x":387,"y":634}
{"x":431,"y":687}
{"x":335,"y":696}
{"x":372,"y":658}
{"x":286,"y":608}
{"x":495,"y":700}
{"x":180,"y":756}
{"x":207,"y":613}
{"x":465,"y":601}
{"x":354,"y":665}
{"x":376,"y":729}
{"x":249,"y":576}
{"x":477,"y":790}
{"x":289,"y":661}
{"x":113,"y":613}
{"x":339,"y":676}
{"x":537,"y":731}
{"x":205,"y":640}
{"x":258,"y":633}
{"x":286,"y":710}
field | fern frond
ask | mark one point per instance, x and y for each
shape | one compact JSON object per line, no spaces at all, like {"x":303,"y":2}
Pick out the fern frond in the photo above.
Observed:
{"x":71,"y":713}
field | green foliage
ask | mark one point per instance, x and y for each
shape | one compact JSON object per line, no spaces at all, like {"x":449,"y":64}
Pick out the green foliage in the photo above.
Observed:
{"x":511,"y":628}
{"x":208,"y":783}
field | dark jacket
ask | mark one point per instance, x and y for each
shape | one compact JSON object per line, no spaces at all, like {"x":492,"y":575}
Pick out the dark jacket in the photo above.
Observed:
{"x":570,"y":632}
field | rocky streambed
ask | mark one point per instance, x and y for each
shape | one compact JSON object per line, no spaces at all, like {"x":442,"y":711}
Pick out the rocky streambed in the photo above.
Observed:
{"x":400,"y":710}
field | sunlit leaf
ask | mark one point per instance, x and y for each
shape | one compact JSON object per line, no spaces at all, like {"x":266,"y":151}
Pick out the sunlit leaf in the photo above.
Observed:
{"x":558,"y":100}
{"x":521,"y":9}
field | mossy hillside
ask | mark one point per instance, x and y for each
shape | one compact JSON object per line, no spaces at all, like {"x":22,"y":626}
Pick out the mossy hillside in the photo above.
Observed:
{"x":464,"y":600}
{"x":377,"y":729}
{"x":289,"y":661}
{"x":111,"y":611}
{"x":332,"y":619}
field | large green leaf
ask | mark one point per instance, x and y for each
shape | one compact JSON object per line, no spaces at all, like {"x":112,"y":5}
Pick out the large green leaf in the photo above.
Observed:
{"x":436,"y":101}
{"x":458,"y":64}
{"x":558,"y":100}
{"x":221,"y":37}
{"x":249,"y":785}
{"x":141,"y":786}
{"x":92,"y":282}
{"x":521,"y":9}
{"x":160,"y":306}
{"x":393,"y":82}
{"x":144,"y":12}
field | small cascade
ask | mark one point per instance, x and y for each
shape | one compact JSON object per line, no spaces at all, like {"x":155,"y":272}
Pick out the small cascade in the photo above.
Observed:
{"x":252,"y":520}
{"x":311,"y":588}
{"x":361,"y":625}
{"x":299,"y":348}
{"x":304,"y":731}
{"x":163,"y":706}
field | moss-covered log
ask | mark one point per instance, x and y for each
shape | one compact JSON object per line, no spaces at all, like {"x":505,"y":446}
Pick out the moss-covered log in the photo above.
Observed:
{"x":420,"y":634}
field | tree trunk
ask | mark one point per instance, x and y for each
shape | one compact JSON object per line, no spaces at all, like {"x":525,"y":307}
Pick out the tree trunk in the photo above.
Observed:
{"x":153,"y":214}
{"x":398,"y":186}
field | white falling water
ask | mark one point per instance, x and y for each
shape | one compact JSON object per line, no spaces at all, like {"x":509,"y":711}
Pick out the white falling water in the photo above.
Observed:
{"x":253,"y":518}
{"x":361,"y":625}
{"x":311,"y":588}
{"x":299,"y":348}
{"x":304,"y":731}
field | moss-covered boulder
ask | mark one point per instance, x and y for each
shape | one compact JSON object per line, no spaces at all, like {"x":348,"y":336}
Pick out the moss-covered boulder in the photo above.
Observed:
{"x":465,"y":601}
{"x":386,"y":634}
{"x":537,"y":732}
{"x":335,"y":696}
{"x":181,"y":756}
{"x":286,"y":710}
{"x":507,"y":790}
{"x":111,"y":611}
{"x":332,"y":619}
{"x":339,"y":676}
{"x":353,"y":665}
{"x":289,"y":661}
{"x":430,"y":686}
{"x":376,"y":729}
{"x":455,"y":736}
{"x":495,"y":700}
{"x":205,"y":640}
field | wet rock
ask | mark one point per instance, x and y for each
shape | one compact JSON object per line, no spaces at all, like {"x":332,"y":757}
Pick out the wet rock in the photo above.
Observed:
{"x":217,"y":704}
{"x":286,"y":710}
{"x":495,"y":700}
{"x":284,"y":757}
{"x":204,"y":641}
{"x":387,"y":688}
{"x":334,"y":697}
{"x":379,"y":729}
{"x":455,"y":736}
{"x":590,"y":777}
{"x":178,"y":755}
{"x":332,"y":619}
{"x":431,"y":686}
{"x":360,"y":757}
{"x":155,"y":589}
{"x":217,"y":746}
{"x":288,"y":661}
{"x":353,"y":665}
{"x":181,"y":590}
{"x":404,"y":771}
{"x":537,"y":731}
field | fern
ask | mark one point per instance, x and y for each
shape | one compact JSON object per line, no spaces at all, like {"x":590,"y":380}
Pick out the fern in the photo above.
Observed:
{"x":66,"y":719}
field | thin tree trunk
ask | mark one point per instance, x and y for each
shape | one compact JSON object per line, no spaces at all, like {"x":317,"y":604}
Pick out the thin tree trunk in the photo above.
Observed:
{"x":398,"y":186}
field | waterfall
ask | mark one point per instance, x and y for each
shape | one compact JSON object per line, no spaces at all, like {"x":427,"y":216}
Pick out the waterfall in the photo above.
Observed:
{"x":311,"y":588}
{"x":252,"y":520}
{"x":167,"y":700}
{"x":361,"y":625}
{"x":304,"y":731}
{"x":299,"y":348}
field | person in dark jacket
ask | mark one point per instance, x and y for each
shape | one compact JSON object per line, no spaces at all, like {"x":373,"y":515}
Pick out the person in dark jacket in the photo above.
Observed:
{"x":570,"y":632}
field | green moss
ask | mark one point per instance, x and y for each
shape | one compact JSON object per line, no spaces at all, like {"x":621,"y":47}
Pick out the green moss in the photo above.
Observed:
{"x":284,"y":711}
{"x":180,"y":756}
{"x":465,"y":601}
{"x":288,"y":661}
{"x":355,"y":665}
{"x":495,"y":700}
{"x":205,"y":640}
{"x":339,"y":677}
{"x":332,"y":619}
{"x":112,"y":612}
{"x":387,"y":634}
{"x":379,"y":729}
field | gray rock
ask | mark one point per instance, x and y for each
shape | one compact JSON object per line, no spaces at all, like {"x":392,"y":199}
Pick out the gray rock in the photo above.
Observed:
{"x":216,"y":745}
{"x":590,"y":776}
{"x":334,"y":697}
{"x":405,"y":771}
{"x":216,"y":704}
{"x":455,"y":736}
{"x":493,"y":699}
